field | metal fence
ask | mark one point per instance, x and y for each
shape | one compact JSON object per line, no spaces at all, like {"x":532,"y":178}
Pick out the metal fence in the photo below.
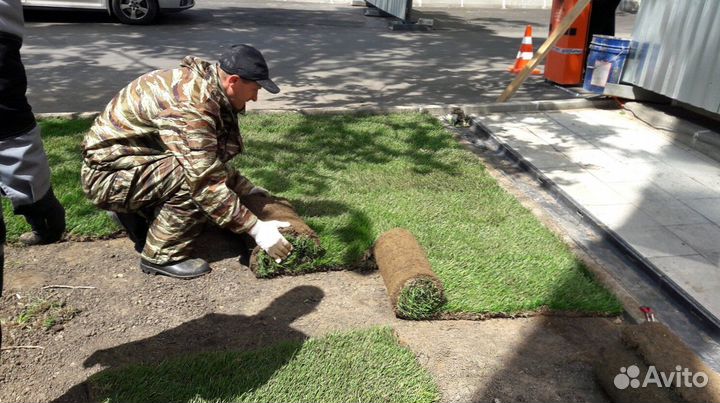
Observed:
{"x":676,"y":51}
{"x":398,"y":8}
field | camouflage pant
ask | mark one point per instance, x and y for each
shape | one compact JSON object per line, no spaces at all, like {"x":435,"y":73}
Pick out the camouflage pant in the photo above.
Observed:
{"x":159,"y":187}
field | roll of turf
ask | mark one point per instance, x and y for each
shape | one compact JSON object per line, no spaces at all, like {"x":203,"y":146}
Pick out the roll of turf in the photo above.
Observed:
{"x":615,"y":372}
{"x":667,"y":352}
{"x":415,"y":291}
{"x":305,"y":242}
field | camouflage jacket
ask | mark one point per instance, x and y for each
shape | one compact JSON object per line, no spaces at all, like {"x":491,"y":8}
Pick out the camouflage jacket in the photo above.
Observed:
{"x":181,"y":113}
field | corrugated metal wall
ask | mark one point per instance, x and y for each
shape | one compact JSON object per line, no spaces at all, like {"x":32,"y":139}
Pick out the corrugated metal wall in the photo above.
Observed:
{"x":676,"y":51}
{"x":398,"y":8}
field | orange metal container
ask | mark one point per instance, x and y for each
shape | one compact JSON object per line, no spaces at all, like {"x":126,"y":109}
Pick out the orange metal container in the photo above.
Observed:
{"x":566,"y":61}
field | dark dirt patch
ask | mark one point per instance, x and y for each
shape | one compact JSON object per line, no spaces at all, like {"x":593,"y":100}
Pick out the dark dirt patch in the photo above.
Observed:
{"x":130,"y":317}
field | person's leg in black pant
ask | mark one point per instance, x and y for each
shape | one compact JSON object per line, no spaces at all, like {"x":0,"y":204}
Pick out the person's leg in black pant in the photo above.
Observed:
{"x":602,"y":18}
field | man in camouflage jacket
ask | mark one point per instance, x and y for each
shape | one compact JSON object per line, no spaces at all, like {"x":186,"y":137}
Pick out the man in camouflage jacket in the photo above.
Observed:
{"x":157,"y":157}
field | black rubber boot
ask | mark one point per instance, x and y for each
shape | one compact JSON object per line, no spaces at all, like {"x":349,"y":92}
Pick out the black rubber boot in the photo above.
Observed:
{"x":185,"y":269}
{"x":46,"y":218}
{"x":135,"y":225}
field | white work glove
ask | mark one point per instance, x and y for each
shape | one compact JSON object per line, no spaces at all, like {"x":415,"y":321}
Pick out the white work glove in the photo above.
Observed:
{"x":268,"y":237}
{"x":259,"y":191}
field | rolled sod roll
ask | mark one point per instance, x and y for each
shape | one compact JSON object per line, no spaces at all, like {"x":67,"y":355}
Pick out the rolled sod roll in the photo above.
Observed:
{"x":305,"y":242}
{"x":663,"y":349}
{"x":415,"y":291}
{"x":614,"y":372}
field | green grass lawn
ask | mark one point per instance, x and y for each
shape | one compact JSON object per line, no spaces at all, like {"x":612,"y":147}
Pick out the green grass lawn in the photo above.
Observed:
{"x":353,"y":178}
{"x":361,"y":366}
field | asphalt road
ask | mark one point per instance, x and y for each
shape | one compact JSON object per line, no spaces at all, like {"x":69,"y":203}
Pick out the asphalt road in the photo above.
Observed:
{"x":320,"y":54}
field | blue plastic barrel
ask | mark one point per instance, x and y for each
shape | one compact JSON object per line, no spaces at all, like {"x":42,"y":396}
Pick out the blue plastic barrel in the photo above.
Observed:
{"x":605,"y":62}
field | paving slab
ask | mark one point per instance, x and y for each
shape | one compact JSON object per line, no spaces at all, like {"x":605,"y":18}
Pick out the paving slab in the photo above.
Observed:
{"x":637,"y":190}
{"x":701,"y":237}
{"x":655,"y":242}
{"x":654,"y":194}
{"x":710,"y":208}
{"x":625,"y":215}
{"x":687,"y":271}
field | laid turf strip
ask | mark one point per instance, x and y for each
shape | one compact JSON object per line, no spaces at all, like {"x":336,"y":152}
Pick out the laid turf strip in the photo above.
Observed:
{"x":305,"y":242}
{"x":351,"y":178}
{"x":354,"y":177}
{"x":415,"y":291}
{"x":360,"y":366}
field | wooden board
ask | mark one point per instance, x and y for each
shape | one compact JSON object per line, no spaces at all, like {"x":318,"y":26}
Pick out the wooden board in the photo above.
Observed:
{"x":544,"y":49}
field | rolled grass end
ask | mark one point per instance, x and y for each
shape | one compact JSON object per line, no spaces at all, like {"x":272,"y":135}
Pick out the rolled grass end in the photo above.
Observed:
{"x":420,"y":298}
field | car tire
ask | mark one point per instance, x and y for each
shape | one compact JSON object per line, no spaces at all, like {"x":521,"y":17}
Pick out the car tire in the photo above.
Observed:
{"x":135,"y":12}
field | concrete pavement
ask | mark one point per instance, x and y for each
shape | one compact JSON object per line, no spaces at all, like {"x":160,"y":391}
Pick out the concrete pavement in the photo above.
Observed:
{"x":321,"y":55}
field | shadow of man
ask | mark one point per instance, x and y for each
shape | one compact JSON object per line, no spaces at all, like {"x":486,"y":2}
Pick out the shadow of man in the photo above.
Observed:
{"x":214,"y":339}
{"x":215,"y":244}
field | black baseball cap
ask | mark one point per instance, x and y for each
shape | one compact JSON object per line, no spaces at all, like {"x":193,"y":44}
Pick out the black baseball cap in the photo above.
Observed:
{"x":247,"y":62}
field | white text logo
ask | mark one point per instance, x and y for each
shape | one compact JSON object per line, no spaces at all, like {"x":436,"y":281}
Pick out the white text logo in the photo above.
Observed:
{"x":681,"y":377}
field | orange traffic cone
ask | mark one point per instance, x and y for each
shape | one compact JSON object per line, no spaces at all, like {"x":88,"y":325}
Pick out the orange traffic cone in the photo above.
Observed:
{"x":525,"y":54}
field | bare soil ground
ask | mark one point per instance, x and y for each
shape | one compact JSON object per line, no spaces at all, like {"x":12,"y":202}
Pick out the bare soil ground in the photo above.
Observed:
{"x":131,"y":317}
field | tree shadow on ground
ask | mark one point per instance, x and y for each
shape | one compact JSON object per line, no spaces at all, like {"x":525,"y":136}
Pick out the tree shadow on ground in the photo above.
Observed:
{"x":209,"y":337}
{"x":215,"y":244}
{"x":304,"y":160}
{"x":310,"y":151}
{"x":310,"y":155}
{"x":321,"y":55}
{"x":357,"y":233}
